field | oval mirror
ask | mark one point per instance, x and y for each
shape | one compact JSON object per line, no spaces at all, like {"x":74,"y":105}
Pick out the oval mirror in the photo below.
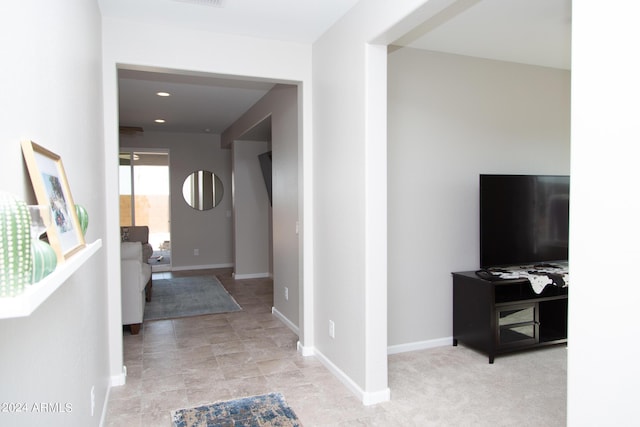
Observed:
{"x":202,"y":190}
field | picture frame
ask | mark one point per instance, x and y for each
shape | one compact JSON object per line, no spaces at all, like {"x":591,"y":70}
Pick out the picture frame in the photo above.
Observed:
{"x":52,"y":189}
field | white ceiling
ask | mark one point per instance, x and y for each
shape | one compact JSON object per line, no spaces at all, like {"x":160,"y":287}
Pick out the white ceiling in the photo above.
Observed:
{"x":289,"y":20}
{"x":533,"y":32}
{"x":198,"y":104}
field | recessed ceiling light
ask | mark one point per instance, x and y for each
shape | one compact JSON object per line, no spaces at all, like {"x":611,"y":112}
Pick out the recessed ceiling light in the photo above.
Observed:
{"x":159,"y":120}
{"x":163,"y":94}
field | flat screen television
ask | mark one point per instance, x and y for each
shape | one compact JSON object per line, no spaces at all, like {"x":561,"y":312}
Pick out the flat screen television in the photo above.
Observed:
{"x":524,"y":219}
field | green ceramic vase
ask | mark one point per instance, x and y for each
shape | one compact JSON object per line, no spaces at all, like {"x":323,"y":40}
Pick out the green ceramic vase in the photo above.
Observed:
{"x":15,"y":245}
{"x":83,"y":218}
{"x":44,"y":260}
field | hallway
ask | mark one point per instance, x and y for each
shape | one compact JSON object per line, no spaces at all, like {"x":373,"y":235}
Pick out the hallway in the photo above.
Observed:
{"x":186,"y":362}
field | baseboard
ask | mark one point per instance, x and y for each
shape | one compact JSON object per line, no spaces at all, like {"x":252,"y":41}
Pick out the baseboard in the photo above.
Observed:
{"x":376,"y":397}
{"x":105,"y":407}
{"x":372,"y":398}
{"x":114,"y":381}
{"x":120,"y":379}
{"x":305,"y":351}
{"x":201,"y":267}
{"x":420,"y":345}
{"x":285,"y":320}
{"x":367,"y":398}
{"x":251,"y":276}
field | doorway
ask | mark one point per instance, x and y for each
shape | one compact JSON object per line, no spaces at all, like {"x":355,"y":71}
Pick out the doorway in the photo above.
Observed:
{"x":144,"y":200}
{"x":294,"y":208}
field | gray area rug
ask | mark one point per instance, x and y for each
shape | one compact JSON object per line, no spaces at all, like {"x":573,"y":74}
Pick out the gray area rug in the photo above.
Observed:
{"x":188,"y":296}
{"x":269,"y":410}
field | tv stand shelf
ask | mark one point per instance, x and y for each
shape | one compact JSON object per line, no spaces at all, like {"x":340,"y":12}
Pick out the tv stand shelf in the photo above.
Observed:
{"x":502,"y":316}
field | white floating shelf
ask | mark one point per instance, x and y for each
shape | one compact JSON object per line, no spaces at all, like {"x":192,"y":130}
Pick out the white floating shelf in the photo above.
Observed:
{"x":34,"y":295}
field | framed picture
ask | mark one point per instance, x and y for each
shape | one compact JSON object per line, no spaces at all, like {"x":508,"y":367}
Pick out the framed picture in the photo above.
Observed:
{"x":52,"y":189}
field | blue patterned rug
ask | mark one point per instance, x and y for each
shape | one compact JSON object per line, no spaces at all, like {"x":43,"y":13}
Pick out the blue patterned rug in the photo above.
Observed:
{"x":188,"y":296}
{"x":268,"y":410}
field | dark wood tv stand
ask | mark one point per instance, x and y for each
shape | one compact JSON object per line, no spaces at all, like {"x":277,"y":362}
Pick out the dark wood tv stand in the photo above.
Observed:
{"x":501,"y":316}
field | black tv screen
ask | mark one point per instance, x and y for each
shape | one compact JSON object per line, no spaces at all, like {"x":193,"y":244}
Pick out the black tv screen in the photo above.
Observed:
{"x":524,"y":219}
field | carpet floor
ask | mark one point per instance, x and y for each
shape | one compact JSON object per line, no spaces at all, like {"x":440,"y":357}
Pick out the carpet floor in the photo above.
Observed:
{"x":188,"y":296}
{"x":269,"y":410}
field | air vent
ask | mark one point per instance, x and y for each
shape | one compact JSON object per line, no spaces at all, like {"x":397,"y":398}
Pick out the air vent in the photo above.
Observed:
{"x":212,"y":3}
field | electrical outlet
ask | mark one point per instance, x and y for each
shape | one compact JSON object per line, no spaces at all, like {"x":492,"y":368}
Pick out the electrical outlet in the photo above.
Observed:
{"x":196,"y":252}
{"x":332,"y":329}
{"x":93,"y":399}
{"x":286,"y":293}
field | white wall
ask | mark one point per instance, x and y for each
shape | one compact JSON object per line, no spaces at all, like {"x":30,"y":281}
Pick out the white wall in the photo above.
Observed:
{"x":452,"y":118}
{"x":208,"y":231}
{"x":177,"y":48}
{"x":50,"y":84}
{"x":286,"y":244}
{"x":603,"y":369}
{"x":349,"y":165}
{"x":280,"y":105}
{"x":250,"y":211}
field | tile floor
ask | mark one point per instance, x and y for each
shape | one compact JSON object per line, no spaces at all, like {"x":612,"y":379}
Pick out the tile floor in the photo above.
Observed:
{"x":187,"y":362}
